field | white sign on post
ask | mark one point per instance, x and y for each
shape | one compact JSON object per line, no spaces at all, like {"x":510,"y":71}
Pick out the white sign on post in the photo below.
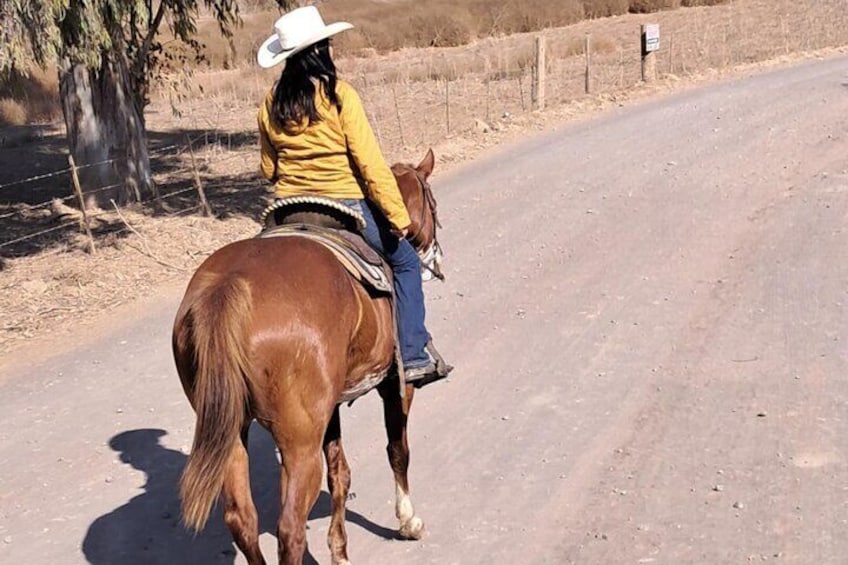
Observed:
{"x":651,"y":38}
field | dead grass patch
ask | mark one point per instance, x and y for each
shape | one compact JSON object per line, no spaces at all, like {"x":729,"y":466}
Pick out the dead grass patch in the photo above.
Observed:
{"x":12,"y":113}
{"x":405,"y":95}
{"x":34,"y":95}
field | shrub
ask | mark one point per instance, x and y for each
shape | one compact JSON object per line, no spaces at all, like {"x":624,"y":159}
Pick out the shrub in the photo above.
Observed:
{"x":605,"y":8}
{"x":12,"y":113}
{"x":648,"y":6}
{"x":439,"y":30}
{"x":35,"y":95}
{"x":383,"y":26}
{"x":526,"y":16}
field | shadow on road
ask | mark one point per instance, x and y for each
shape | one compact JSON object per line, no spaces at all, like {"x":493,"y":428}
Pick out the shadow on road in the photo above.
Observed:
{"x":147,"y":529}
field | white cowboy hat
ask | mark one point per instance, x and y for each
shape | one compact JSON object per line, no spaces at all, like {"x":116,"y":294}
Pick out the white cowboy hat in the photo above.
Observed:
{"x":296,"y":31}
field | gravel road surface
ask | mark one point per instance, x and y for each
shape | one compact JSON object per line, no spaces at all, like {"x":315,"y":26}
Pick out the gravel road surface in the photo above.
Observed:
{"x":647,"y":312}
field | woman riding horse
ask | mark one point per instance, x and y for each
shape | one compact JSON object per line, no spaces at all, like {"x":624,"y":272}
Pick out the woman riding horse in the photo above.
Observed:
{"x":277,"y":330}
{"x":316,"y":140}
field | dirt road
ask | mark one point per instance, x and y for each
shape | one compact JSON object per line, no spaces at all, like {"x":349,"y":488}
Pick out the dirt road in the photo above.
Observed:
{"x":647,"y":312}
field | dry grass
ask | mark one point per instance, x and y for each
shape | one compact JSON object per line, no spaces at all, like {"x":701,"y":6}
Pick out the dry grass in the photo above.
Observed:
{"x":648,"y":6}
{"x":381,"y":27}
{"x":12,"y":113}
{"x":407,"y":94}
{"x":63,"y":288}
{"x":31,"y":98}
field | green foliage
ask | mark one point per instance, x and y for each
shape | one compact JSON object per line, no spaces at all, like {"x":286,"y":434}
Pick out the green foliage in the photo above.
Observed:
{"x":38,"y":32}
{"x":28,"y":32}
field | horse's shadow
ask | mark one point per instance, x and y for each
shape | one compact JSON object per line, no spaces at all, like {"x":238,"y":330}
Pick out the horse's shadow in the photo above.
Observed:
{"x":147,"y":529}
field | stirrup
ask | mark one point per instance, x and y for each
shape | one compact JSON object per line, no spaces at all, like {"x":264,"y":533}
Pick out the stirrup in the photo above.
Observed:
{"x":435,"y":370}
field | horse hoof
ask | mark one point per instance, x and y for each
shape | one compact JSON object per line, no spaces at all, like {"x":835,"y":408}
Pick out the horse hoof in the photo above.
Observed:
{"x":412,"y":529}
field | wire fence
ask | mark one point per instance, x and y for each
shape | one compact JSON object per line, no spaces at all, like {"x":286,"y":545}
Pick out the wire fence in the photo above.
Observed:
{"x":33,"y":222}
{"x":428,"y":100}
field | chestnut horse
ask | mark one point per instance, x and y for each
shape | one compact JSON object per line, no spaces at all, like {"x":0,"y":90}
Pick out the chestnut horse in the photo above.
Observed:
{"x":275,"y":329}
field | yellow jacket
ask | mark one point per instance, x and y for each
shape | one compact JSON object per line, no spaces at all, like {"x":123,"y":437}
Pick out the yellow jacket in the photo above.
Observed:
{"x":337,"y":157}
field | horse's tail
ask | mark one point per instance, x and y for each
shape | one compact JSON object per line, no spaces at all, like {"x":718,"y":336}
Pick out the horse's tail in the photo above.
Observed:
{"x":217,"y":321}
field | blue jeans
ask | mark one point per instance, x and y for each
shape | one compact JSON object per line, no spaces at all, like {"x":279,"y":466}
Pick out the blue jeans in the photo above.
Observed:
{"x":402,"y":257}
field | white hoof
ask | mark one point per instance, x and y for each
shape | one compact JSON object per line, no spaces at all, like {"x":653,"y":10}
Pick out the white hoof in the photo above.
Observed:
{"x":412,"y":529}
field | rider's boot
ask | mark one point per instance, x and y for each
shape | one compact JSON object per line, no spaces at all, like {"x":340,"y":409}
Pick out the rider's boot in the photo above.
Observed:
{"x":436,"y":369}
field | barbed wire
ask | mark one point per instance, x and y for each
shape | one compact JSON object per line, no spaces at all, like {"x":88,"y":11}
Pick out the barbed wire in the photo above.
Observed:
{"x":182,"y":191}
{"x":66,"y":170}
{"x":78,"y":223}
{"x":35,"y":178}
{"x":216,"y":153}
{"x":31,"y":207}
{"x":36,"y":234}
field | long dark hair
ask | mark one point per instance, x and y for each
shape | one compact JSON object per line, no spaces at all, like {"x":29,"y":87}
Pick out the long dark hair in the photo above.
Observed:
{"x":294,"y":96}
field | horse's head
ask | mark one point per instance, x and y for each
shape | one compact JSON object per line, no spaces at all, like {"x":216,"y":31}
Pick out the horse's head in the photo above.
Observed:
{"x":421,"y":204}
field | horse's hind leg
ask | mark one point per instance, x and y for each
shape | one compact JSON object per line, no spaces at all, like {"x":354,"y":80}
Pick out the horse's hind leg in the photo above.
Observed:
{"x":300,"y":483}
{"x":411,"y":526}
{"x":338,"y":482}
{"x":239,"y":509}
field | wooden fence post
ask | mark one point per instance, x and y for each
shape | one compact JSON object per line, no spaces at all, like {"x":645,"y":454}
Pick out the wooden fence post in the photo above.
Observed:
{"x":447,"y":105}
{"x":488,"y":96}
{"x":207,"y":210}
{"x":397,"y":115}
{"x":521,"y":92}
{"x":621,"y":68}
{"x":649,"y":60}
{"x":671,"y":54}
{"x":538,"y":92}
{"x":586,"y":49}
{"x":78,"y":190}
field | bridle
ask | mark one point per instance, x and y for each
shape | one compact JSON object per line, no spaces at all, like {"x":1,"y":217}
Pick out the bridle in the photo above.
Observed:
{"x":424,"y":256}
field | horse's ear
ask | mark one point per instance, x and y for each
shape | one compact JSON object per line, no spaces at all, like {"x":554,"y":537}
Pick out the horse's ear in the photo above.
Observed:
{"x":426,"y":166}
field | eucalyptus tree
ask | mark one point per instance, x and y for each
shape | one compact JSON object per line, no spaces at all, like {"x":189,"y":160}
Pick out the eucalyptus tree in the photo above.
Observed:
{"x":108,"y":54}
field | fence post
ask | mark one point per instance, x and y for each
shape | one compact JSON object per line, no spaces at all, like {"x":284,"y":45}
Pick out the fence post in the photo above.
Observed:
{"x":447,"y":105}
{"x":78,"y":191}
{"x":620,"y":68}
{"x":586,"y":49}
{"x":207,"y":210}
{"x":397,"y":115}
{"x":488,"y":96}
{"x":538,"y":93}
{"x":671,"y":54}
{"x":649,"y":61}
{"x":521,"y":91}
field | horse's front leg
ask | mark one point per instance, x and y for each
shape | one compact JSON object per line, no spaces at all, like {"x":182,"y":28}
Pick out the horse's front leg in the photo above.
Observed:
{"x":338,"y":482}
{"x":411,"y":526}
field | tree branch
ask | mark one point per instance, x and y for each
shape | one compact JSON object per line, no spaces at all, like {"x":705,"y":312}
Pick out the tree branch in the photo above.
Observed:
{"x":151,"y":33}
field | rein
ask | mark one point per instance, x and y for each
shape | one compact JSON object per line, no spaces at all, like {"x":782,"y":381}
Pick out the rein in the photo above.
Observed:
{"x":429,"y":202}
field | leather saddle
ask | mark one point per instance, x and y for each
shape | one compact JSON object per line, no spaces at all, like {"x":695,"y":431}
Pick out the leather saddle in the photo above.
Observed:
{"x":336,"y":227}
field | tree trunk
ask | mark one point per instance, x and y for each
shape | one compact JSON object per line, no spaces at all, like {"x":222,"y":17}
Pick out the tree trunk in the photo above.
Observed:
{"x":106,"y":132}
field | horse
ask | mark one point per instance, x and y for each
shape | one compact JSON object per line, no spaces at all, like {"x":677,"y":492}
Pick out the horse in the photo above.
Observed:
{"x":275,"y":330}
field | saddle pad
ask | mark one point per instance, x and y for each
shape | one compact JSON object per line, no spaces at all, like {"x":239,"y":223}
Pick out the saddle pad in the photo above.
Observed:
{"x":370,"y":270}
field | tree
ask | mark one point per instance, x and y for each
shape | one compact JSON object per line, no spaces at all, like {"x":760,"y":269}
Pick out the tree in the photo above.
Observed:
{"x":108,"y":54}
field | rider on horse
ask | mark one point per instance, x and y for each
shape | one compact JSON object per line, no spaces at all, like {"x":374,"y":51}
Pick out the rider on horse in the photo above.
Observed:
{"x":316,"y":140}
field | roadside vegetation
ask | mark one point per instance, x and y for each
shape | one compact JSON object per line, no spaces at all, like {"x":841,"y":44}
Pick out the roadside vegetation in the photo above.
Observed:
{"x":381,"y":27}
